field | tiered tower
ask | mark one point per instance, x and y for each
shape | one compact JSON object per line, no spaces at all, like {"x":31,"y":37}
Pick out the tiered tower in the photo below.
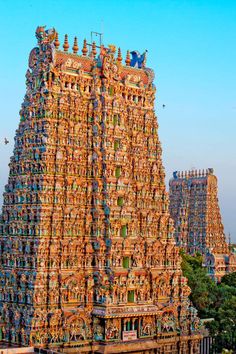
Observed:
{"x":194,"y":207}
{"x":87,"y":250}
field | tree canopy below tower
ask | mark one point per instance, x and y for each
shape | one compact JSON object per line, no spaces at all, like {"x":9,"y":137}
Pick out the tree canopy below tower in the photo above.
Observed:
{"x":213,"y":300}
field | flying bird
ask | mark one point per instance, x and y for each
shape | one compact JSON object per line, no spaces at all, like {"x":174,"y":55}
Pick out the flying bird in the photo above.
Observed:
{"x":6,"y":141}
{"x":163,"y":106}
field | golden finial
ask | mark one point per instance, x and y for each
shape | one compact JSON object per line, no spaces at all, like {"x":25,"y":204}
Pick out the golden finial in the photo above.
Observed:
{"x":127,"y":60}
{"x":75,"y":46}
{"x":56,"y":42}
{"x":85,"y":49}
{"x":94,"y":51}
{"x":66,"y":44}
{"x":119,"y":57}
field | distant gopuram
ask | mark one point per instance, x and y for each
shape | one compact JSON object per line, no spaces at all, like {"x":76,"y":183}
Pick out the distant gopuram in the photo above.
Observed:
{"x":194,"y":207}
{"x":88,"y":256}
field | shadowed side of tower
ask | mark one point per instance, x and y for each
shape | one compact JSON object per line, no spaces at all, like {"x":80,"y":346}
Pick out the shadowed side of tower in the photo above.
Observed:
{"x":88,"y":253}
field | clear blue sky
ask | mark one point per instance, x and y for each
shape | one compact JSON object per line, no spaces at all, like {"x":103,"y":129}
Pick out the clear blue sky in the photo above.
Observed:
{"x":192,"y":48}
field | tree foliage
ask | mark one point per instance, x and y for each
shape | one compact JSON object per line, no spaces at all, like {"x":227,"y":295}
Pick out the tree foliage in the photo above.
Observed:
{"x":213,"y":300}
{"x":229,"y":279}
{"x":203,"y":288}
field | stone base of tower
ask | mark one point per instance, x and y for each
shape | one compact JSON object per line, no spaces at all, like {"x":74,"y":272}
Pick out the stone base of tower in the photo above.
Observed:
{"x":174,"y":345}
{"x":167,"y":345}
{"x":8,"y":348}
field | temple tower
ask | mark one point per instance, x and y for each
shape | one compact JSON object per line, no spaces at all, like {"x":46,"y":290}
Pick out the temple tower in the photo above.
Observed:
{"x":88,"y":256}
{"x":194,"y":207}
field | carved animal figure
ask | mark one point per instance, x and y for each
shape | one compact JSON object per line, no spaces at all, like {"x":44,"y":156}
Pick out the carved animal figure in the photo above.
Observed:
{"x":138,"y":60}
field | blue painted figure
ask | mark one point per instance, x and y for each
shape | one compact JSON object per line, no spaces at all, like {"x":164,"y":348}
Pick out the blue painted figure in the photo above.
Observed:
{"x":138,"y":60}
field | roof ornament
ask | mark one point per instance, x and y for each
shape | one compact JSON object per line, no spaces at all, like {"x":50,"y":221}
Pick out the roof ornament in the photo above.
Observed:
{"x":75,"y":47}
{"x":57,"y":42}
{"x":119,"y":57}
{"x":66,"y":44}
{"x":43,"y":36}
{"x":175,"y":174}
{"x":85,"y":49}
{"x":127,"y":60}
{"x":138,"y":60}
{"x":210,"y":171}
{"x":94,"y":51}
{"x":112,"y":48}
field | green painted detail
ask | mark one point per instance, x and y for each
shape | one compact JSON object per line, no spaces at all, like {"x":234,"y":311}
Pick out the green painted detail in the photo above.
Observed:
{"x":126,"y":262}
{"x":118,"y":171}
{"x":131,"y":296}
{"x":111,"y":91}
{"x":116,"y":145}
{"x":120,"y":201}
{"x":123,"y":231}
{"x":115,"y":119}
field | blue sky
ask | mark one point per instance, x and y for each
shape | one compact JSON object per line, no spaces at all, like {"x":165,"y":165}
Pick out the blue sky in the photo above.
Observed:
{"x":192,"y":48}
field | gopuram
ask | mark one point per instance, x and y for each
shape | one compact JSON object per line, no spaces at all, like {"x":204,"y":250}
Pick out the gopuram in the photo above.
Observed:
{"x":194,"y":207}
{"x":88,"y":256}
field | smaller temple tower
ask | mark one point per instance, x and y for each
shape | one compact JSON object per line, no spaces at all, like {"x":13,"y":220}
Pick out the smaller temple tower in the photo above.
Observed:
{"x":194,"y":207}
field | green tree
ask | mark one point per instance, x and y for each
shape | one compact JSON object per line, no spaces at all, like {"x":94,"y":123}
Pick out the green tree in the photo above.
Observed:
{"x":223,"y":328}
{"x":229,"y":279}
{"x":203,"y":288}
{"x":213,"y":300}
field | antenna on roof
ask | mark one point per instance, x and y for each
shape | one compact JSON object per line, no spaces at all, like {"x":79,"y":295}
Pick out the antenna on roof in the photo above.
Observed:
{"x":97,"y":34}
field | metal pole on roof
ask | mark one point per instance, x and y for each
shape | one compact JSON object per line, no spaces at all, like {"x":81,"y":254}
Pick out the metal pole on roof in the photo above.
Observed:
{"x":97,"y":34}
